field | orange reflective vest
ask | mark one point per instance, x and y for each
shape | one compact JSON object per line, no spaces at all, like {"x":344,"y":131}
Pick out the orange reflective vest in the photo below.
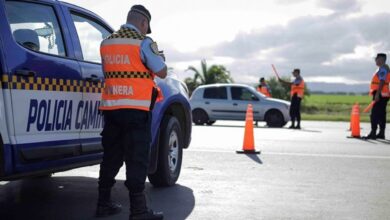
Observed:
{"x":375,"y":85}
{"x":298,"y":89}
{"x":128,"y":83}
{"x":264,"y":90}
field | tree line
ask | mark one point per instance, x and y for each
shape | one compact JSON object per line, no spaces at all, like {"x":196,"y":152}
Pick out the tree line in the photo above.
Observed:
{"x":219,"y":74}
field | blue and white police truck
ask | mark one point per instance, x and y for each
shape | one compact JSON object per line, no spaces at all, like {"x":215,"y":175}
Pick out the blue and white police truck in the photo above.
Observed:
{"x":51,"y":79}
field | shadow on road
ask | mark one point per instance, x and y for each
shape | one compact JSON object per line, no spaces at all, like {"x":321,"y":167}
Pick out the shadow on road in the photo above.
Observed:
{"x":364,"y":140}
{"x":226,"y":126}
{"x":240,"y":126}
{"x":255,"y":158}
{"x":383,"y":141}
{"x":75,"y":198}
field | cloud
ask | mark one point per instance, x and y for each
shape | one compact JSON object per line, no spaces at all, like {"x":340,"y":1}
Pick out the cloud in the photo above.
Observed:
{"x":320,"y":45}
{"x":290,"y":2}
{"x":340,"y":5}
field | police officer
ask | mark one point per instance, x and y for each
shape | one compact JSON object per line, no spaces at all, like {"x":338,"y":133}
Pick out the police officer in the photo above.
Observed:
{"x":296,"y":94}
{"x":264,"y":88}
{"x":130,"y":62}
{"x":379,"y":90}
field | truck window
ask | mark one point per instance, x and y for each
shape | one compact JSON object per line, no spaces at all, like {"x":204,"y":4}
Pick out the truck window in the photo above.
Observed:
{"x":90,"y":34}
{"x":243,"y":94}
{"x":35,"y":27}
{"x":215,"y":93}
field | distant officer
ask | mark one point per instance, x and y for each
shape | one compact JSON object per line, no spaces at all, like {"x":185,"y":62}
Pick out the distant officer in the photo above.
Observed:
{"x":264,"y":88}
{"x":296,"y":93}
{"x":130,"y":62}
{"x":380,"y":94}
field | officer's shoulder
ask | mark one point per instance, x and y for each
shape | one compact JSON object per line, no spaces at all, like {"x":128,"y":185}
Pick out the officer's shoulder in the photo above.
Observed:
{"x":148,"y":42}
{"x":147,"y":39}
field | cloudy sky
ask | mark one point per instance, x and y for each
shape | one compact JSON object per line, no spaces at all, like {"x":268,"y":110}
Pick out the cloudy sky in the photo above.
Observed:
{"x":331,"y":41}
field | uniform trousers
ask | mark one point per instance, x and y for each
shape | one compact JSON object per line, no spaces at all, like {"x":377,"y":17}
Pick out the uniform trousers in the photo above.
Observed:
{"x":126,"y":137}
{"x":295,"y":109}
{"x":378,"y":114}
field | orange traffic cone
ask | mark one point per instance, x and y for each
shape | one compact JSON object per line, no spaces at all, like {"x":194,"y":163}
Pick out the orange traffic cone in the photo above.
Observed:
{"x":355,"y":121}
{"x":249,"y":144}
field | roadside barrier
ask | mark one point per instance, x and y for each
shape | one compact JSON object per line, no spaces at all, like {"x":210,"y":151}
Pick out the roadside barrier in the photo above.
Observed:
{"x":248,"y":146}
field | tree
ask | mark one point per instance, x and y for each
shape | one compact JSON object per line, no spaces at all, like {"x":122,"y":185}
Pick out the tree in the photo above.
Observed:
{"x":214,"y":74}
{"x":191,"y":84}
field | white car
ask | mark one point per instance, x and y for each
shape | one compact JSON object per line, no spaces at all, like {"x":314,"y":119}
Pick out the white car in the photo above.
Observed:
{"x":229,"y":102}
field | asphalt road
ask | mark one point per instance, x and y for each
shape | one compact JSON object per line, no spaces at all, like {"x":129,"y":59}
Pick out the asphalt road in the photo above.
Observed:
{"x":313,"y":173}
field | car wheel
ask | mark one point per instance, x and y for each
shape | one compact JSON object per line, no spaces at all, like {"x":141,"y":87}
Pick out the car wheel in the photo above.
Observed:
{"x":170,"y":153}
{"x":199,"y":117}
{"x":210,"y":122}
{"x":274,"y":119}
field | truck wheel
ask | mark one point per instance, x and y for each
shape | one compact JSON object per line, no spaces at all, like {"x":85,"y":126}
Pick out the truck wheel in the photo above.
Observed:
{"x":199,"y":116}
{"x":170,"y":153}
{"x":274,"y":119}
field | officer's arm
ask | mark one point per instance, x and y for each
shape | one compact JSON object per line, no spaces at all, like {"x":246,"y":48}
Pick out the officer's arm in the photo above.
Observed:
{"x":382,"y":76}
{"x":380,"y":87}
{"x":162,"y":73}
{"x":285,"y":82}
{"x":152,"y":59}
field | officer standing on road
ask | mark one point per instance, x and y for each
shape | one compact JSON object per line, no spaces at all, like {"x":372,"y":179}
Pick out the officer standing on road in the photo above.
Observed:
{"x":130,"y":61}
{"x":296,"y":93}
{"x":380,"y":94}
{"x":264,"y":88}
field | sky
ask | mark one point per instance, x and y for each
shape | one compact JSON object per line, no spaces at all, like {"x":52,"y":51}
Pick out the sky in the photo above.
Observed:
{"x":331,"y":41}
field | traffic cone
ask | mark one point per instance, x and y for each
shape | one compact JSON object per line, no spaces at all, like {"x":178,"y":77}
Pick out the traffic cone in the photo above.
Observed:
{"x":248,"y":146}
{"x":355,"y":121}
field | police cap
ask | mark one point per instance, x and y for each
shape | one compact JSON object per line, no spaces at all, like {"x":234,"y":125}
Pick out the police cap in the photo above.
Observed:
{"x":297,"y":70}
{"x":143,"y":11}
{"x":381,"y":55}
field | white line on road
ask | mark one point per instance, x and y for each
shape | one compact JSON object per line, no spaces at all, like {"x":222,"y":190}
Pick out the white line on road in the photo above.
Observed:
{"x":301,"y":154}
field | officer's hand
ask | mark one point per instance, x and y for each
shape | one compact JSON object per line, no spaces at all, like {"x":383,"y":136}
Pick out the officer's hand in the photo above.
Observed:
{"x":376,"y":98}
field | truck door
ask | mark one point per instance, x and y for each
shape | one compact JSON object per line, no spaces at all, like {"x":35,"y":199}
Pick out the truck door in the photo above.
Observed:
{"x":90,"y":33}
{"x":45,"y":83}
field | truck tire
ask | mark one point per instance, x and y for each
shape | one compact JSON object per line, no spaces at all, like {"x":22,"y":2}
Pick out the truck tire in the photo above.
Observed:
{"x":274,"y":119}
{"x":170,"y":153}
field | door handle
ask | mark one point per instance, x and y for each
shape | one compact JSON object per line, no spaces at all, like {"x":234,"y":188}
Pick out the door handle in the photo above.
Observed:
{"x":207,"y":103}
{"x":25,"y":73}
{"x":93,"y":78}
{"x":235,"y":104}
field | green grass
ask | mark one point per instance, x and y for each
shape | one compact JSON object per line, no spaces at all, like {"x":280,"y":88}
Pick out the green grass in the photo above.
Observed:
{"x":334,"y":107}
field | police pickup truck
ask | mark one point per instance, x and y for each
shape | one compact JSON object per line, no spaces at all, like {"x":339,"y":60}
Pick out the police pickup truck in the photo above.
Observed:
{"x":51,"y":83}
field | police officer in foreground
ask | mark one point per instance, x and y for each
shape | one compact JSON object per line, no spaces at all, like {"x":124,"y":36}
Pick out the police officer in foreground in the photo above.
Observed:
{"x":296,"y":93}
{"x":379,"y":90}
{"x":263,"y":88}
{"x":130,"y":62}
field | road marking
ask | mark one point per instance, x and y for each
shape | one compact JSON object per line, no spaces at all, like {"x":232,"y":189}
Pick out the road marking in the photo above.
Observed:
{"x":300,"y":154}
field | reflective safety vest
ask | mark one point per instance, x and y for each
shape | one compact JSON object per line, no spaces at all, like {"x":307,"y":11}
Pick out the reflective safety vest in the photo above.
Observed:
{"x":264,"y":90}
{"x":128,"y":83}
{"x":298,"y":89}
{"x":375,"y":85}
